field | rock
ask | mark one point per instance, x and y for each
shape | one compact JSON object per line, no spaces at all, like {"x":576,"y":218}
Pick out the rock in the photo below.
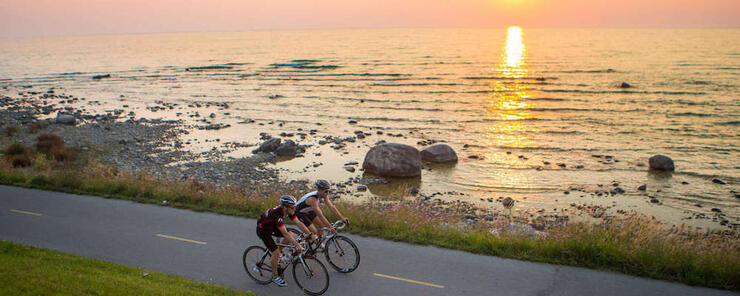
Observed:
{"x":287,"y":148}
{"x":66,"y":119}
{"x":625,"y":85}
{"x":101,"y":76}
{"x":661,"y":163}
{"x":394,"y":160}
{"x":361,"y":187}
{"x":642,"y":187}
{"x":352,"y":163}
{"x":538,"y":226}
{"x":654,"y":200}
{"x":508,"y":202}
{"x":488,"y":218}
{"x":352,"y":122}
{"x":716,"y":210}
{"x":414,"y":191}
{"x":268,"y":146}
{"x":619,"y":190}
{"x":718,"y":181}
{"x":349,"y":169}
{"x":440,"y":153}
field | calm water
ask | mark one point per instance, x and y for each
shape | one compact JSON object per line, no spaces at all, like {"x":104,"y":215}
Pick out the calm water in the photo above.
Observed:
{"x":548,"y":95}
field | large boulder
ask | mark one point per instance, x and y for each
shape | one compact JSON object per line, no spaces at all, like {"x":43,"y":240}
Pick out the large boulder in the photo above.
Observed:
{"x":66,"y":119}
{"x":268,"y":146}
{"x":287,"y":148}
{"x":393,"y":160}
{"x":439,"y":153}
{"x":661,"y":163}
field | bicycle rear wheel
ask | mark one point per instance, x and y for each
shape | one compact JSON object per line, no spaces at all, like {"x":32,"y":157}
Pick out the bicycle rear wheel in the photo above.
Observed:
{"x":342,"y":254}
{"x":256,"y":262}
{"x":312,"y":278}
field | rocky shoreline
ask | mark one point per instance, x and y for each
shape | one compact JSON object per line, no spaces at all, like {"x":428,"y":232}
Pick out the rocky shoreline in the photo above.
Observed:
{"x":156,"y":147}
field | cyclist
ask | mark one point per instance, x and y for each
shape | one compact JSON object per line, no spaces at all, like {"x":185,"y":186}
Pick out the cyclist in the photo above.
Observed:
{"x":271,"y":223}
{"x":310,"y":213}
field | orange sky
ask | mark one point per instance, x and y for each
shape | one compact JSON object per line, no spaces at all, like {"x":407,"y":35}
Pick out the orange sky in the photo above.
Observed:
{"x":24,"y":18}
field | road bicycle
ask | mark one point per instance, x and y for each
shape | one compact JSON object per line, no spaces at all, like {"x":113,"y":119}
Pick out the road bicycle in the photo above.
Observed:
{"x":308,"y":272}
{"x":341,"y":252}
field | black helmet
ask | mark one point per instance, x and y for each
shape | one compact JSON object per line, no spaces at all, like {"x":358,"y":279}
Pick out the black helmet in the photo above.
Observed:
{"x":287,"y":200}
{"x":322,"y":185}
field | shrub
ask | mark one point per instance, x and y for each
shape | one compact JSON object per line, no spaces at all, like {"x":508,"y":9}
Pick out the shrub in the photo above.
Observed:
{"x":11,"y":130}
{"x":16,"y":149}
{"x":48,"y":142}
{"x":23,"y":160}
{"x":35,"y":126}
{"x":61,"y":154}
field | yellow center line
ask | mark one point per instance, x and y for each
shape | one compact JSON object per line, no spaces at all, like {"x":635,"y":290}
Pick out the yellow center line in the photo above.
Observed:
{"x":408,"y":280}
{"x":182,"y":239}
{"x":24,"y":212}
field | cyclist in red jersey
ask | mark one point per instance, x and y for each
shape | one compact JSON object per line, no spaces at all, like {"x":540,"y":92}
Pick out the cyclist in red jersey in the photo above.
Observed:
{"x":271,"y":223}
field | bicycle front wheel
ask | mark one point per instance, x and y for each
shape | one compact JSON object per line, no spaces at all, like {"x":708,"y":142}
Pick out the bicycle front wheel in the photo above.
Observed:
{"x":256,"y":262}
{"x":342,"y":254}
{"x":312,"y":278}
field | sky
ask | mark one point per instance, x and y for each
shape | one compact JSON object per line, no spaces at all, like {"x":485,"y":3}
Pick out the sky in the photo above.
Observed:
{"x":32,"y":18}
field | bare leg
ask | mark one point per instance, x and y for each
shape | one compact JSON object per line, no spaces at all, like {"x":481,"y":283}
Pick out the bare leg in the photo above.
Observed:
{"x":274,"y":261}
{"x":317,"y":221}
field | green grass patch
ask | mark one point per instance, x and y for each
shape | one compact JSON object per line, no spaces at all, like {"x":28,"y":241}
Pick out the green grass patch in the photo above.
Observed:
{"x":26,"y":270}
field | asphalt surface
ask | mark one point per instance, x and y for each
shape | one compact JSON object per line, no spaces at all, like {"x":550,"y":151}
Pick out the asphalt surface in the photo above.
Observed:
{"x":208,"y":247}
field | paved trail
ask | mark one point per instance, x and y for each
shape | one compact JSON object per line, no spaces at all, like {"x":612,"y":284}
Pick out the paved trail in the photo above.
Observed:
{"x":208,"y":247}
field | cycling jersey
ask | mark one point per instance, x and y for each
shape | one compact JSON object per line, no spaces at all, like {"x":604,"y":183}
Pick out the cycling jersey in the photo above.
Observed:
{"x":268,"y":224}
{"x":302,"y":206}
{"x":273,"y":218}
{"x":305,"y":212}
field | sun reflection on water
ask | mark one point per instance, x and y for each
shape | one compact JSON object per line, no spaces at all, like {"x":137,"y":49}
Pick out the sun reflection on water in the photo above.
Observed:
{"x":506,"y":105}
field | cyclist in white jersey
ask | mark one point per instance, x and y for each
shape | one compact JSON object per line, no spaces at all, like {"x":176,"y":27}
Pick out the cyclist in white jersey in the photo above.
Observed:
{"x":309,"y":212}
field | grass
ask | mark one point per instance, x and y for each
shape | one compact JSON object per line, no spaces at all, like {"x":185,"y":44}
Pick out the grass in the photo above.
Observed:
{"x":26,"y":270}
{"x":632,"y":245}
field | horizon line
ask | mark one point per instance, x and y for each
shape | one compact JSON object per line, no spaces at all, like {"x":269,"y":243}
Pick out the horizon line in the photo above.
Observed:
{"x":134,"y":33}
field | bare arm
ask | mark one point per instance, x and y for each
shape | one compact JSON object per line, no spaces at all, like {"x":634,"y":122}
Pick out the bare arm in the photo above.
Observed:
{"x":333,"y":208}
{"x":289,"y":235}
{"x":314,"y":203}
{"x":301,"y":226}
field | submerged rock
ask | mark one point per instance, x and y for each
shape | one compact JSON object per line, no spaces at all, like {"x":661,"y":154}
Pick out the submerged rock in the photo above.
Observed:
{"x":441,"y":153}
{"x":394,"y":160}
{"x":718,"y":181}
{"x":661,"y":163}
